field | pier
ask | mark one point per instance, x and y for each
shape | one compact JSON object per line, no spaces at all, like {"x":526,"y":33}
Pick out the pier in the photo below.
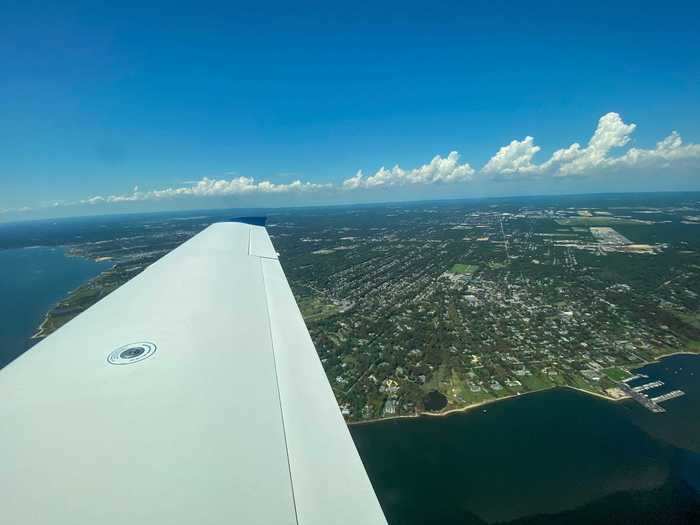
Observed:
{"x":648,"y":386}
{"x":665,"y":397}
{"x":640,"y":398}
{"x":637,"y":393}
{"x":636,"y":376}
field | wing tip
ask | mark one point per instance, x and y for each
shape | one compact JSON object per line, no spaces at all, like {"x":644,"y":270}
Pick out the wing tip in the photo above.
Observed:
{"x":253,"y":221}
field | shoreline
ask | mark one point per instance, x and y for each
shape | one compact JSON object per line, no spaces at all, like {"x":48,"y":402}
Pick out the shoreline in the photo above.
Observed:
{"x":663,"y":356}
{"x":491,"y":401}
{"x":39,"y":334}
{"x":40,"y":330}
{"x":480,"y":404}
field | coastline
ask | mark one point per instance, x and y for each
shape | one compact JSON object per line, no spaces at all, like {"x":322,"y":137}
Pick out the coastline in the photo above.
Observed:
{"x":663,"y":356}
{"x":40,"y":332}
{"x":490,"y":401}
{"x":481,"y":404}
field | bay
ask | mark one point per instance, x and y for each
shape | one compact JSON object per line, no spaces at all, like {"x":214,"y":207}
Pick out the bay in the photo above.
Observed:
{"x":32,"y":280}
{"x":559,"y":456}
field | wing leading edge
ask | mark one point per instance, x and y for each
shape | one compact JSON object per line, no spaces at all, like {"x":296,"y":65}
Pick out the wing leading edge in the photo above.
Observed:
{"x":226,"y":418}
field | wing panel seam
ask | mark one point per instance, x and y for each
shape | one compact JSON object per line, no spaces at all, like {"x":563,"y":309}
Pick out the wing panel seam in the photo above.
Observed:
{"x":279,"y":393}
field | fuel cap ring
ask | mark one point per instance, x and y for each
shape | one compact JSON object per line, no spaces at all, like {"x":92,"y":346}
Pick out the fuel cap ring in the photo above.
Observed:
{"x":131,"y":353}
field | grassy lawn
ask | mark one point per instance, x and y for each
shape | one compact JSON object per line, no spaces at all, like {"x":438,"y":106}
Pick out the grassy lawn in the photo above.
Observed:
{"x":455,"y":388}
{"x":616,"y":373}
{"x":578,"y":381}
{"x":463,"y":268}
{"x":690,"y":346}
{"x":315,"y":308}
{"x":536,"y":382}
{"x":477,"y":397}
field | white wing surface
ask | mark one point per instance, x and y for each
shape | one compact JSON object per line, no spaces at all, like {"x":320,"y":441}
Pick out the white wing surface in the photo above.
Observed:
{"x":192,"y":394}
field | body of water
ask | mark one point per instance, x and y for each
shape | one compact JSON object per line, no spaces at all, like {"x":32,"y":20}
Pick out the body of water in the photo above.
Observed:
{"x":32,"y":280}
{"x":680,"y":424}
{"x":559,"y":456}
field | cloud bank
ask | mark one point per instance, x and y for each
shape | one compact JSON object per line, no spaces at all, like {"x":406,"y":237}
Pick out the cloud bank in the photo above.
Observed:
{"x":211,"y":188}
{"x":439,"y":170}
{"x":516,"y":159}
{"x":602,"y":154}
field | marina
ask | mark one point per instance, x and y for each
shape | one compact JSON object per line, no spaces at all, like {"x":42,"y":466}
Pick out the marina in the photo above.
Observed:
{"x":638,"y":393}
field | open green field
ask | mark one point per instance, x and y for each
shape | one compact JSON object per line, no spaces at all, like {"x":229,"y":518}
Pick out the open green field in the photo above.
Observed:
{"x":537,"y":381}
{"x":693,"y":346}
{"x":616,"y":373}
{"x":315,"y":308}
{"x":690,"y":318}
{"x":578,"y":381}
{"x":463,"y":268}
{"x":454,"y":387}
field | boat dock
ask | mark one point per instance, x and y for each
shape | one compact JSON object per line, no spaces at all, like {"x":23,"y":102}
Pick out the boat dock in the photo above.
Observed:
{"x":652,"y":404}
{"x":636,"y":376}
{"x":671,"y":395}
{"x":648,"y":386}
{"x":641,"y":398}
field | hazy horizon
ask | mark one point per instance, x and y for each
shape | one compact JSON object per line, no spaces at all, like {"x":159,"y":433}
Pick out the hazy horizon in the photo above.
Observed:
{"x":379,"y":203}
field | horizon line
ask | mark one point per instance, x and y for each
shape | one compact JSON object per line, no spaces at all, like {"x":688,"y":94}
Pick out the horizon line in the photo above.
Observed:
{"x":342,"y":205}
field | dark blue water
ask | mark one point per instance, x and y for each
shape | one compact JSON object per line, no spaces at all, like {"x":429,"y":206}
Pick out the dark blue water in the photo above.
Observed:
{"x":680,"y":424}
{"x":554,"y":457}
{"x":31,"y":281}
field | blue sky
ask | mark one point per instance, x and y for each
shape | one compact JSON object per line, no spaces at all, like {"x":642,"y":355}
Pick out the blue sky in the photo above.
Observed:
{"x":109,"y":109}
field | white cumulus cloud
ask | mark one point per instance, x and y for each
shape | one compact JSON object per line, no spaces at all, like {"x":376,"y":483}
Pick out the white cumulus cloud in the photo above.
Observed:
{"x":516,"y":157}
{"x":440,"y":169}
{"x":666,"y":151}
{"x":611,"y":133}
{"x":207,"y":187}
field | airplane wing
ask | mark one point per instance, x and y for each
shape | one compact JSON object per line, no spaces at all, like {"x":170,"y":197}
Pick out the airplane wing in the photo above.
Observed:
{"x":191,"y":394}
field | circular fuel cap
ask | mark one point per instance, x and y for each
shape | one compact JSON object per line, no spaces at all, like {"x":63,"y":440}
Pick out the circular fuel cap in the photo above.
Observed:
{"x":131,"y":353}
